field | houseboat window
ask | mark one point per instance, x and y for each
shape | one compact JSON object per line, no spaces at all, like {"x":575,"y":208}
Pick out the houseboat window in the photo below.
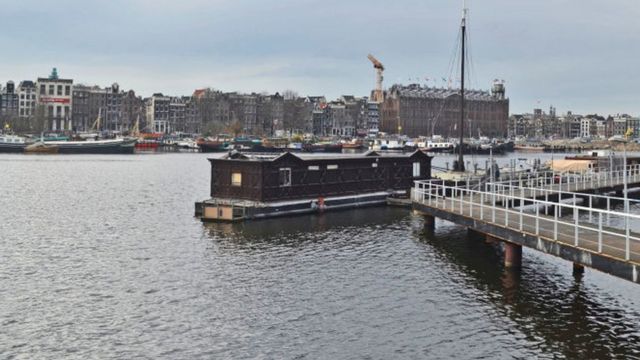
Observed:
{"x":314,"y":167}
{"x":236,"y":179}
{"x":416,"y":169}
{"x":332,"y":167}
{"x":284,"y":177}
{"x":374,"y":164}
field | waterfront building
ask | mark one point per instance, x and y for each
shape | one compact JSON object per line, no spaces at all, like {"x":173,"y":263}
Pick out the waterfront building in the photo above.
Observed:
{"x":269,"y":115}
{"x":624,"y":122}
{"x":320,"y":120}
{"x":373,"y":118}
{"x":417,"y":110}
{"x":177,"y":114}
{"x":297,"y":114}
{"x":158,"y":113}
{"x":55,"y":95}
{"x":9,"y":105}
{"x":26,"y":99}
{"x":341,"y":123}
{"x":571,"y":125}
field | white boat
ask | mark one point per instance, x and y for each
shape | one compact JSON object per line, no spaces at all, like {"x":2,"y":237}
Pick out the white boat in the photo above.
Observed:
{"x":12,"y":143}
{"x":388,"y":144}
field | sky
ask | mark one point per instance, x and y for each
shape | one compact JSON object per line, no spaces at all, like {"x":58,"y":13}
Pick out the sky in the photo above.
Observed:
{"x":578,"y":55}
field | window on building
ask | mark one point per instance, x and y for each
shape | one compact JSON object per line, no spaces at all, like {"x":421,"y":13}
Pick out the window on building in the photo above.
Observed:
{"x":42,"y":89}
{"x":416,"y":169}
{"x":52,"y":89}
{"x":284,"y":177}
{"x":374,"y":165}
{"x":59,"y":90}
{"x":66,"y":110}
{"x":50,"y":111}
{"x":236,"y":179}
{"x":59,"y":110}
{"x":313,"y":167}
{"x":67,"y":90}
{"x":332,"y":167}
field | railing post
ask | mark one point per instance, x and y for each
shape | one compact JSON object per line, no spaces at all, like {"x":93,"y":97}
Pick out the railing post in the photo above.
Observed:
{"x":555,"y":221}
{"x":575,"y":222}
{"x":546,"y":202}
{"x":461,"y":210}
{"x":506,"y":214}
{"x":608,"y":211}
{"x":493,"y":207}
{"x":599,"y":232}
{"x":590,"y":208}
{"x":537,"y":218}
{"x":482,"y":206}
{"x":521,"y":206}
{"x":627,"y":249}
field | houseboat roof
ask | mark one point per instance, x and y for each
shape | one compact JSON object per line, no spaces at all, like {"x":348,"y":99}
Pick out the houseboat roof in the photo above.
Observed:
{"x":235,"y":155}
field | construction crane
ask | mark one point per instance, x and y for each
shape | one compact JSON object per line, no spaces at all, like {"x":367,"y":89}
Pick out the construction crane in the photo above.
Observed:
{"x":378,"y":95}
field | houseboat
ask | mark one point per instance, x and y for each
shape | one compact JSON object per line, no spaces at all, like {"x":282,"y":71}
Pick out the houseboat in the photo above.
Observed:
{"x":253,"y":186}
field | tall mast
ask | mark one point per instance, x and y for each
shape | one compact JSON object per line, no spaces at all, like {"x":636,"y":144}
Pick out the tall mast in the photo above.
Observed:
{"x":460,"y":166}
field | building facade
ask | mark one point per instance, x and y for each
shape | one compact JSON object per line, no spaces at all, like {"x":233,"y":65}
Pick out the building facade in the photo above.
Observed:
{"x":415,"y":110}
{"x":55,"y":96}
{"x":26,"y":99}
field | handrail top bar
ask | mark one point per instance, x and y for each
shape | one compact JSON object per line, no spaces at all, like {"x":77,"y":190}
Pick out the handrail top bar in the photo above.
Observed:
{"x":563,"y":205}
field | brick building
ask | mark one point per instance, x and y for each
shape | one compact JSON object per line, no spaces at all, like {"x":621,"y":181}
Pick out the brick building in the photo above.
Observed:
{"x":415,"y":110}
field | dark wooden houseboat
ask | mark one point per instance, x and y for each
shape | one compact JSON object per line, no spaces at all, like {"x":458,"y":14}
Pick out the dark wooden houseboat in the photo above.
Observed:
{"x":253,"y":186}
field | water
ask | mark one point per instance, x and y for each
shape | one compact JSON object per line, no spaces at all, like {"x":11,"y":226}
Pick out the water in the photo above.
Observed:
{"x":101,"y":258}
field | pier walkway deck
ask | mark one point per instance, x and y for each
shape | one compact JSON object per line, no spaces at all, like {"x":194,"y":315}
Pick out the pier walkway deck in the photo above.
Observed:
{"x":538,"y":214}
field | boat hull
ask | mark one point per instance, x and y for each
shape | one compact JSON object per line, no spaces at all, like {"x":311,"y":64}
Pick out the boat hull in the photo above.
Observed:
{"x":90,"y":147}
{"x":12,"y":148}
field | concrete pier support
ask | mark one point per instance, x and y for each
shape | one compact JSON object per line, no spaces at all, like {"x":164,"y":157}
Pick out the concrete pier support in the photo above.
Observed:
{"x":578,"y":270}
{"x":512,"y":255}
{"x":429,"y":223}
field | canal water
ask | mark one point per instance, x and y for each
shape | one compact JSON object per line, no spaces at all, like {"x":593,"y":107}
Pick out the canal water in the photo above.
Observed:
{"x":101,"y":257}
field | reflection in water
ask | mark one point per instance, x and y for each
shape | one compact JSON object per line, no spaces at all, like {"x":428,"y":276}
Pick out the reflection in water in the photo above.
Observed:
{"x":553,"y":309}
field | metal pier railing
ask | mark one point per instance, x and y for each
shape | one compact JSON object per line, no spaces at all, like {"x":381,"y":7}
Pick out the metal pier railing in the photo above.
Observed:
{"x":605,"y":231}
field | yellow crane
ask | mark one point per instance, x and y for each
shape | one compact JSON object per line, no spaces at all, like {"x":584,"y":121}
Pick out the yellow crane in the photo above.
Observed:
{"x":378,"y":95}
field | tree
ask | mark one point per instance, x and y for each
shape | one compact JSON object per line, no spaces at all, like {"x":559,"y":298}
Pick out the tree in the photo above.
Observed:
{"x":235,"y":128}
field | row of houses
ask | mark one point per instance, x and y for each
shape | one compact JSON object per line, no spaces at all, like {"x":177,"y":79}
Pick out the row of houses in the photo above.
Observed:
{"x":540,"y":124}
{"x":56,"y":104}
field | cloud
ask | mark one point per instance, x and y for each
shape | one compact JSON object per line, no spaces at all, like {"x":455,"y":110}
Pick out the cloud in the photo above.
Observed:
{"x":577,"y":55}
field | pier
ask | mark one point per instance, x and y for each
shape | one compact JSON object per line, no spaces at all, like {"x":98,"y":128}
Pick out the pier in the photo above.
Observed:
{"x":571,"y":216}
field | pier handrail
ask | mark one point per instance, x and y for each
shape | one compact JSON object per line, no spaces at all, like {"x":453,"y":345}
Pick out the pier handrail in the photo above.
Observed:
{"x":604,"y":174}
{"x":484,"y":205}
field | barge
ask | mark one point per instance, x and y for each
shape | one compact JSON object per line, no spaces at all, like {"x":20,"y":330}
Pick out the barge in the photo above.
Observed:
{"x":255,"y":186}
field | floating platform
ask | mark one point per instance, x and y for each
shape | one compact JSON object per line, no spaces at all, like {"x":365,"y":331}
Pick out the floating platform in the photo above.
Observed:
{"x":239,"y":210}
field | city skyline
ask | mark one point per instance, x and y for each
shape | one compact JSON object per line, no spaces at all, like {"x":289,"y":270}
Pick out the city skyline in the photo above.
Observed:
{"x":572,"y":62}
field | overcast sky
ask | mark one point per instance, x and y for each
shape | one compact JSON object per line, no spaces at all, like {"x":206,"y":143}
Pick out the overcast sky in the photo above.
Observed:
{"x":579,"y":55}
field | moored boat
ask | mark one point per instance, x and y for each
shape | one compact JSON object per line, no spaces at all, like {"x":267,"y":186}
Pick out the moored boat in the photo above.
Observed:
{"x":208,"y":146}
{"x":12,"y":144}
{"x":41,"y":148}
{"x":111,"y":146}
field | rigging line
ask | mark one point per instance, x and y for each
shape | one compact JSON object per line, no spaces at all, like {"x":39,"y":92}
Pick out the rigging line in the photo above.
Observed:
{"x":472,"y":70}
{"x":454,"y":56}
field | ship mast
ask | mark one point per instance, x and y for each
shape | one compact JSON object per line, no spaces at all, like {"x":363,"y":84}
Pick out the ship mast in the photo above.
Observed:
{"x":460,"y":164}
